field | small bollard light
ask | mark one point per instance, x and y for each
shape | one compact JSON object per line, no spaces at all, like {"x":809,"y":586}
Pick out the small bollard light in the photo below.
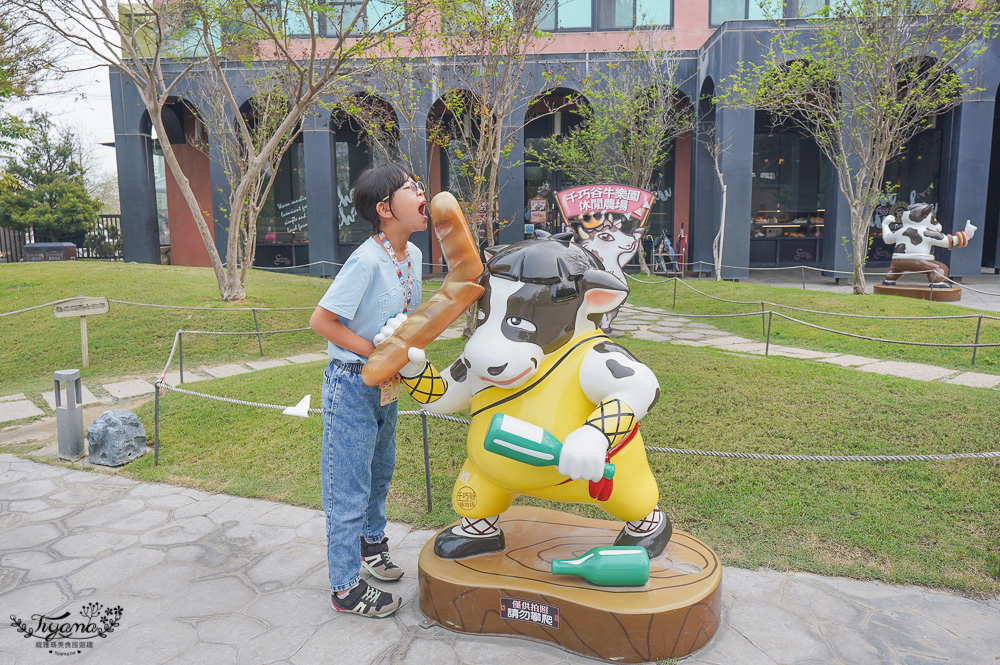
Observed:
{"x":69,"y":418}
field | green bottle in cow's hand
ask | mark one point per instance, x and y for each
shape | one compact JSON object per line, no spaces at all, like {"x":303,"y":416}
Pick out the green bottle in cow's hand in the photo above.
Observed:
{"x":608,"y":566}
{"x":524,"y":442}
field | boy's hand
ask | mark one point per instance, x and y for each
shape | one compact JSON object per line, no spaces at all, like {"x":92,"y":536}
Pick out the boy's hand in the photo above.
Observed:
{"x":389,"y":328}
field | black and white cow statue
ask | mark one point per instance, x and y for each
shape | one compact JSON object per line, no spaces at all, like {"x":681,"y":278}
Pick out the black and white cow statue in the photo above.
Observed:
{"x":915,"y":235}
{"x":538,"y":355}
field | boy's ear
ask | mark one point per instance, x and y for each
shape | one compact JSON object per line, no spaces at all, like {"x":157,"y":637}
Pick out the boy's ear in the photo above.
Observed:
{"x":383,"y":209}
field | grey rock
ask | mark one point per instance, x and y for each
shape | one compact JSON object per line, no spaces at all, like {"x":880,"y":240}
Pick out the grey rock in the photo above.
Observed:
{"x":215,"y":597}
{"x":355,"y":639}
{"x":236,"y":629}
{"x":291,"y":607}
{"x":115,"y":438}
{"x":266,"y":649}
{"x":30,"y":536}
{"x":287,"y":564}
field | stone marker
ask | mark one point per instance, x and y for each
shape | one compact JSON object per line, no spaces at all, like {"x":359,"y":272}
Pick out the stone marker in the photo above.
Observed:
{"x":115,"y":438}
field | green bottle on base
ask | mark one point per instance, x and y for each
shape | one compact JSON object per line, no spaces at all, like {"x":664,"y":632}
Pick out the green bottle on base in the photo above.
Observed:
{"x":608,"y":566}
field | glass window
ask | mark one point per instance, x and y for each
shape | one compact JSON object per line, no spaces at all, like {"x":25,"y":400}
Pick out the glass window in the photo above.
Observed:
{"x":574,"y":14}
{"x":340,"y":15}
{"x":623,"y":14}
{"x":547,"y":16}
{"x":788,"y":195}
{"x":282,"y":219}
{"x":727,"y":10}
{"x":382,"y":14}
{"x":295,"y":19}
{"x":811,"y":7}
{"x":653,"y":12}
{"x":755,"y":10}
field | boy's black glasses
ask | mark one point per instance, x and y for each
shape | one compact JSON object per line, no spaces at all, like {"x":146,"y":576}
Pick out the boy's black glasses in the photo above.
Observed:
{"x":415,"y":186}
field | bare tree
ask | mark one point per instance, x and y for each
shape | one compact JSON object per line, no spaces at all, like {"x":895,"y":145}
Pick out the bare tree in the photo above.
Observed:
{"x":627,"y":130}
{"x":486,"y":44}
{"x":864,"y":79}
{"x":158,"y":44}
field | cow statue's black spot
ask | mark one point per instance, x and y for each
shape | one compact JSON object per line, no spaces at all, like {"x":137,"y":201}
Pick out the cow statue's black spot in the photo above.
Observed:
{"x":914,"y":235}
{"x":611,"y":347}
{"x":656,"y":398}
{"x":459,"y":370}
{"x":934,"y":235}
{"x":618,"y":370}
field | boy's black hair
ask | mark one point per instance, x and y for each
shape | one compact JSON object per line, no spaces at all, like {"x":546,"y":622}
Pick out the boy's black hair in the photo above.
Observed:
{"x":374,"y":185}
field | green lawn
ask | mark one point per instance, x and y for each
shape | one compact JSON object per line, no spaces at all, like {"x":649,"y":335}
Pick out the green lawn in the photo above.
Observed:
{"x":132,"y":340}
{"x":925,"y":523}
{"x":947,"y":331}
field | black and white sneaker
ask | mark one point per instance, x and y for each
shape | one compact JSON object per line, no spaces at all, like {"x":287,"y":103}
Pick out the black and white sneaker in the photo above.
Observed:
{"x":367,"y":601}
{"x":375,"y":557}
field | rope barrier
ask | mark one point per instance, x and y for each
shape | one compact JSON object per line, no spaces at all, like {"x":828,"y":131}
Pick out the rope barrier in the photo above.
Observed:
{"x":678,"y":451}
{"x":879,"y":339}
{"x":213,"y":309}
{"x":28,"y":309}
{"x":816,"y":311}
{"x":827,"y":458}
{"x":252,"y":332}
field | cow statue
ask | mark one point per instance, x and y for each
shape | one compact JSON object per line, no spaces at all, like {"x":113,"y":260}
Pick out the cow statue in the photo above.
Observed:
{"x":916,"y":234}
{"x":538,"y":355}
{"x":602,"y":234}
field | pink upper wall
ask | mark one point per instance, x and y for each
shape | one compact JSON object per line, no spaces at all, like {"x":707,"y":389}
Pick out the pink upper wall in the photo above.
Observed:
{"x":689,"y":32}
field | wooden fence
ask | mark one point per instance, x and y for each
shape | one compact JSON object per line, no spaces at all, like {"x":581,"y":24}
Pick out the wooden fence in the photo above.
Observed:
{"x":109,"y":227}
{"x":12,"y":245}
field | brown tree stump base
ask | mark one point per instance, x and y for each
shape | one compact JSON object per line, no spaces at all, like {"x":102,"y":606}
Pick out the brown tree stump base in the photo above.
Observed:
{"x":514,"y":593}
{"x":950,"y":294}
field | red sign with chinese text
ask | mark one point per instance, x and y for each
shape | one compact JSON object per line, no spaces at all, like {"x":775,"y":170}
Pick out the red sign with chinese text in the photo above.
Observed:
{"x":630,"y":202}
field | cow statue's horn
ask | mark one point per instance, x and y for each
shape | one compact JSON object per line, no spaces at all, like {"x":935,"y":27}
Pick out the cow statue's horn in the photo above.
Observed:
{"x":459,"y":291}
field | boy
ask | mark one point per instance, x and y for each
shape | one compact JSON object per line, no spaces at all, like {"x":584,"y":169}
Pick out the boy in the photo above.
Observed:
{"x":380,"y":280}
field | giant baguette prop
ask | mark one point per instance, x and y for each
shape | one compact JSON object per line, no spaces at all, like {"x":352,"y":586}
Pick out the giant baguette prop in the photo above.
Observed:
{"x":459,"y":291}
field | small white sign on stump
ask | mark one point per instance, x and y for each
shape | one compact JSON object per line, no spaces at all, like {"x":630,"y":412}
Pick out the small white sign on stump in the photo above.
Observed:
{"x":82,"y":307}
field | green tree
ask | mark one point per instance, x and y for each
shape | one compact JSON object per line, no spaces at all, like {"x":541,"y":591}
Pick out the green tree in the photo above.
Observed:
{"x":166,"y":49}
{"x":863,"y":79}
{"x":634,"y":114}
{"x":47,"y":191}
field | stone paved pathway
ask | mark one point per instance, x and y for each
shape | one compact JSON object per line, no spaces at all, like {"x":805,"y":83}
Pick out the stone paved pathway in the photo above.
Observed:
{"x":217,"y":579}
{"x":657,"y":325}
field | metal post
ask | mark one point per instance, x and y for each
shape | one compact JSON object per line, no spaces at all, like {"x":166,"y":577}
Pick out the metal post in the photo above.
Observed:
{"x":427,"y":459}
{"x":976,"y":343}
{"x":762,"y":331}
{"x":156,"y":426}
{"x":180,"y":352}
{"x":69,"y":418}
{"x":257,"y":328}
{"x":803,"y":278}
{"x":767,"y":345}
{"x":675,"y":292}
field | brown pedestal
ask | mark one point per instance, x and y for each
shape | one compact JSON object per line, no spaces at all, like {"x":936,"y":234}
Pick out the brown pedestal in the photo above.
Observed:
{"x":950,"y":294}
{"x":514,"y":593}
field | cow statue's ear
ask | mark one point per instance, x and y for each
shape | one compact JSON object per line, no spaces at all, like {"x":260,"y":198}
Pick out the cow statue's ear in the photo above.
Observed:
{"x":490,"y":252}
{"x":602,"y":291}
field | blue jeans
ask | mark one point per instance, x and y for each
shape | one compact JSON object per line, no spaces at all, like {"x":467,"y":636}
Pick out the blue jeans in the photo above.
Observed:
{"x":359,"y":455}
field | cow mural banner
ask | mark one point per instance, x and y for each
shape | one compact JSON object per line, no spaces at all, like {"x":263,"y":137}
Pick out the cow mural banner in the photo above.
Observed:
{"x":609,"y":221}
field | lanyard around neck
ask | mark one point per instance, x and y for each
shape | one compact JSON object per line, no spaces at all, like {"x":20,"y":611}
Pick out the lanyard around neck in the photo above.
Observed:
{"x":407,"y":284}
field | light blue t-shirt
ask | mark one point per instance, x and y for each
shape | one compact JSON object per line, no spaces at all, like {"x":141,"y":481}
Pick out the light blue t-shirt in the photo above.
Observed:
{"x":367,"y":293}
